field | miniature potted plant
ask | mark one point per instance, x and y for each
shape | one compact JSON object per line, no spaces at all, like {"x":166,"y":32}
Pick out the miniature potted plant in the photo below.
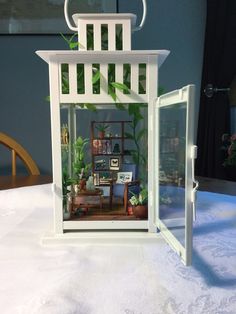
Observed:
{"x":66,"y":182}
{"x":139,"y":204}
{"x":102,"y":129}
{"x":81,"y":170}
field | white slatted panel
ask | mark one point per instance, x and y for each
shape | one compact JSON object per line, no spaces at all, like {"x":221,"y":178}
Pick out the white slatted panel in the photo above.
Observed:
{"x":119,"y":79}
{"x":97,"y":35}
{"x":126,"y":35}
{"x":134,"y":78}
{"x":103,"y":79}
{"x":88,"y":85}
{"x":103,"y":99}
{"x":73,"y":79}
{"x":111,"y":36}
{"x":82,"y":35}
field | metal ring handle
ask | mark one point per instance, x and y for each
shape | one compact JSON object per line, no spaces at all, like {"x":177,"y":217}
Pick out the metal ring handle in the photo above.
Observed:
{"x":143,"y":18}
{"x":75,"y":29}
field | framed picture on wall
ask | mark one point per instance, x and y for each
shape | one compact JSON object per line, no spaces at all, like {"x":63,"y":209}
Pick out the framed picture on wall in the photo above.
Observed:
{"x":46,"y":16}
{"x":123,"y":177}
{"x":114,"y":163}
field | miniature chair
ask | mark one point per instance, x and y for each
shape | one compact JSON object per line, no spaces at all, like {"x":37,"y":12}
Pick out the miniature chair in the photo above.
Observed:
{"x":18,"y":150}
{"x":124,"y":190}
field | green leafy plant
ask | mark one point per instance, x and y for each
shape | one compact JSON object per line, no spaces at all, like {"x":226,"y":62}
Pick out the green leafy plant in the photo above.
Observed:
{"x":73,"y":44}
{"x":139,"y":199}
{"x":80,"y":168}
{"x":102,"y":127}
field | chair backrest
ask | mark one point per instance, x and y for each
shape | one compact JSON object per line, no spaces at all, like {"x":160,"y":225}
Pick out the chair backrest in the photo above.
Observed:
{"x":18,"y":150}
{"x":131,"y":168}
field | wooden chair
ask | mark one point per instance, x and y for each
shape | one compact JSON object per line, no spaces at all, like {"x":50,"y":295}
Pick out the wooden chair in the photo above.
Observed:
{"x":123,"y":190}
{"x":15,"y":181}
{"x":18,"y":151}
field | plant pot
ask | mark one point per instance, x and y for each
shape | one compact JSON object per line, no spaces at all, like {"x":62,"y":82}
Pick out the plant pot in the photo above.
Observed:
{"x":140,"y":211}
{"x":101,"y":134}
{"x":66,"y":215}
{"x":130,"y":210}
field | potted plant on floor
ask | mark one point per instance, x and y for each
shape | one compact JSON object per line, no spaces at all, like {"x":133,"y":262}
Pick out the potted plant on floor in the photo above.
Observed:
{"x":81,"y":170}
{"x":139,"y":204}
{"x":66,"y":182}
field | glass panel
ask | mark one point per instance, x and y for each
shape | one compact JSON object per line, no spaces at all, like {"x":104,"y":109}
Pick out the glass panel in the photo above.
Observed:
{"x":172,"y":169}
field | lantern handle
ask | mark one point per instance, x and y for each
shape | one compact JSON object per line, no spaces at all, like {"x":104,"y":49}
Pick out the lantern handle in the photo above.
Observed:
{"x":138,"y":28}
{"x":75,"y":29}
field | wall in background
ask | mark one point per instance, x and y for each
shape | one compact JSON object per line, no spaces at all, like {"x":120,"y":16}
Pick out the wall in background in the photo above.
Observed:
{"x":24,"y":114}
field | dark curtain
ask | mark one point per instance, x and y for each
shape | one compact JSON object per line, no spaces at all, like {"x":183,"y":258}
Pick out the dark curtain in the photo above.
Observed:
{"x":219,"y":69}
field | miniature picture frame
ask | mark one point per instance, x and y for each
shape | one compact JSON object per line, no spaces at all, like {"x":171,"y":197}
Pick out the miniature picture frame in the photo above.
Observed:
{"x":114,"y":163}
{"x":123,"y":177}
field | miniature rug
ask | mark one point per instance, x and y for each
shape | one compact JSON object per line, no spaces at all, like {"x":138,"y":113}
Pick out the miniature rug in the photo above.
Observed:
{"x":114,"y":279}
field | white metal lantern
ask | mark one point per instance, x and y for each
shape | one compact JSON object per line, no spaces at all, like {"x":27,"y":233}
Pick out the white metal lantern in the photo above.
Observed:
{"x":152,"y":59}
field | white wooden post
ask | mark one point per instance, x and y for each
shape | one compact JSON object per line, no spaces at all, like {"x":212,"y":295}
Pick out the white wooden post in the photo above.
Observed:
{"x":151,"y":89}
{"x":56,"y":146}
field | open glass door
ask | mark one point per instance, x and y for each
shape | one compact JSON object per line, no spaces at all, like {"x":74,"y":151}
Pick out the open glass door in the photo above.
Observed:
{"x":175,"y":153}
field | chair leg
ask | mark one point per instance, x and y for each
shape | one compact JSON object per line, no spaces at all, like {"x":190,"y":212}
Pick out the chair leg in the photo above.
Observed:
{"x":126,"y":199}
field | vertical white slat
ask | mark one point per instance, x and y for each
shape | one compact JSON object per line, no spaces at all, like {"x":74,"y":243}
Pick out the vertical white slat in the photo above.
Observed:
{"x":82,"y":35}
{"x":134,"y":79}
{"x":119,"y":78}
{"x":103,"y":79}
{"x":73,"y":79}
{"x":97,"y":35}
{"x":54,"y":80}
{"x":88,"y":85}
{"x":111,"y":36}
{"x":151,"y":92}
{"x":126,"y":32}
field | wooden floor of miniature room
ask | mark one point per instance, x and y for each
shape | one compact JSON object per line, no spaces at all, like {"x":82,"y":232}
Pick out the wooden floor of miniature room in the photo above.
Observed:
{"x":117,"y":212}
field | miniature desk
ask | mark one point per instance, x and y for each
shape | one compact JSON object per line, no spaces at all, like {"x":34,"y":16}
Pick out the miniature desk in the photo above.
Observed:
{"x":87,"y":199}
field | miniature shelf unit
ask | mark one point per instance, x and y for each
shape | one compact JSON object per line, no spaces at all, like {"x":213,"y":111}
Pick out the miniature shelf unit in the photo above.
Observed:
{"x":81,"y":62}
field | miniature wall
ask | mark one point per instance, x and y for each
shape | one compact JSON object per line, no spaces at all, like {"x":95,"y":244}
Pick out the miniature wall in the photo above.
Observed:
{"x":25,"y":115}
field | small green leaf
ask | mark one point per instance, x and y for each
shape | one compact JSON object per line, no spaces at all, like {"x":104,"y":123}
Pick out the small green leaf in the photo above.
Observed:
{"x":73,"y":45}
{"x":111,"y":93}
{"x":96,"y":77}
{"x":133,"y":109}
{"x":64,"y":37}
{"x":120,"y":106}
{"x":47,"y":98}
{"x":91,"y":107}
{"x":120,"y":86}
